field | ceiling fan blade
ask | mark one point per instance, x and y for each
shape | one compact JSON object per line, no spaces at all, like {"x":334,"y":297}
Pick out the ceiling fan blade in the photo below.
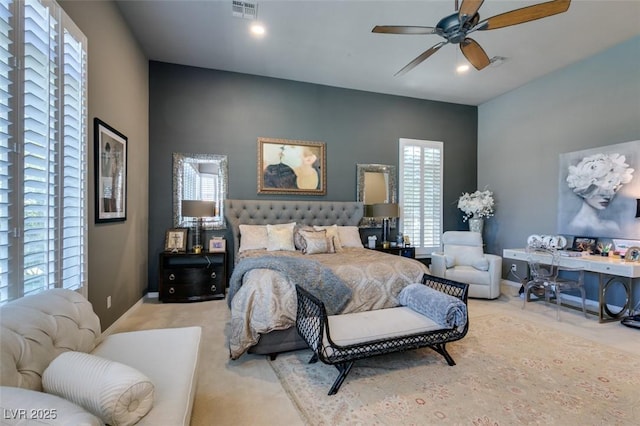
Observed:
{"x":526,"y":14}
{"x":402,"y":29}
{"x":420,"y":59}
{"x":474,"y":53}
{"x":469,"y":8}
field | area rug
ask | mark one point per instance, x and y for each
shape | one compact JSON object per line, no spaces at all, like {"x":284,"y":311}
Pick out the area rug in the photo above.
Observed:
{"x":509,"y":371}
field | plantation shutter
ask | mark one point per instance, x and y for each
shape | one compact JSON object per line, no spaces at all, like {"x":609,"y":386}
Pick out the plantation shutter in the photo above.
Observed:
{"x":74,"y":200}
{"x":6,"y":110}
{"x":44,"y":171}
{"x":40,"y":151}
{"x":421,"y":193}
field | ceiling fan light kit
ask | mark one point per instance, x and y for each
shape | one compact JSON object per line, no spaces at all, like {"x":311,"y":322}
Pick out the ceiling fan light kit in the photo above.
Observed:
{"x":455,"y":29}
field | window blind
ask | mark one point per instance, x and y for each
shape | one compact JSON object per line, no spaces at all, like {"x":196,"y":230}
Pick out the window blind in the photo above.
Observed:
{"x":44,"y":157}
{"x":420,"y":195}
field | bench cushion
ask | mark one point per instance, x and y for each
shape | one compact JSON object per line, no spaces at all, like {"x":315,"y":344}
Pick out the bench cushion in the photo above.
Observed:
{"x":367,"y":326}
{"x":170,"y":361}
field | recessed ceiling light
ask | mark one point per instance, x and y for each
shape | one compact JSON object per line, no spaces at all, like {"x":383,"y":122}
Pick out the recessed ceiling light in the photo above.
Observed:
{"x":257,"y":30}
{"x":462,"y":68}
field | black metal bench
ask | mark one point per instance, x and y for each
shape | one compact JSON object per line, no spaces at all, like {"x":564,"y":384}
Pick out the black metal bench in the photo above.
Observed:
{"x":312,"y":324}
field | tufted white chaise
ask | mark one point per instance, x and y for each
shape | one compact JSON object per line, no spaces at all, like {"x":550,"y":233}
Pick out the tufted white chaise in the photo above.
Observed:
{"x":34,"y":330}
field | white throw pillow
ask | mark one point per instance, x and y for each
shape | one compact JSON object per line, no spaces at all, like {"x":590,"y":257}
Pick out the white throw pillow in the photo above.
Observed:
{"x":350,"y":236}
{"x":280,"y":237}
{"x":116,"y":393}
{"x":332,"y":231}
{"x":253,"y":237}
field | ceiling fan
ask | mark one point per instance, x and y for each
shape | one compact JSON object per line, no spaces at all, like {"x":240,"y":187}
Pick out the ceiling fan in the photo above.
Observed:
{"x":455,"y":28}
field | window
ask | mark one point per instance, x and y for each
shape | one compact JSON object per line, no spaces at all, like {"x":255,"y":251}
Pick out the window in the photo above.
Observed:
{"x":421,"y":193}
{"x":43,"y":149}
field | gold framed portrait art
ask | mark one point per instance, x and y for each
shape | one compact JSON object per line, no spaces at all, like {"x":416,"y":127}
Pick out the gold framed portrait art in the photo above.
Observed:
{"x":291,"y":167}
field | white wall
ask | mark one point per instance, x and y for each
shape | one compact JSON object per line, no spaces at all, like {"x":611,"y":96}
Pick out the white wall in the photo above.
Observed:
{"x":592,"y":103}
{"x":118,"y":95}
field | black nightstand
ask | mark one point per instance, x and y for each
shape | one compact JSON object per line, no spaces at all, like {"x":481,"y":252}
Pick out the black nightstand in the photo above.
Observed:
{"x":190,"y":277}
{"x":400,"y":251}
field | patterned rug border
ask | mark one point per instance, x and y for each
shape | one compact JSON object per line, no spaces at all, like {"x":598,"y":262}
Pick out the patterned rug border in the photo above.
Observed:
{"x":372,"y":370}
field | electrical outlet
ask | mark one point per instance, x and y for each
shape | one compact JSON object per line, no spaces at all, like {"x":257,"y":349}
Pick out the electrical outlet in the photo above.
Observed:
{"x":108,"y":302}
{"x":514,"y":267}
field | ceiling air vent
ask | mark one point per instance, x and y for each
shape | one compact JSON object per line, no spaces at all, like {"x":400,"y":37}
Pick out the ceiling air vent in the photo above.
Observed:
{"x":244,"y":9}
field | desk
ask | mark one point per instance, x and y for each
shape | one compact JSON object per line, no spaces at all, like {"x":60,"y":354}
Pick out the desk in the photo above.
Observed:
{"x":609,"y":270}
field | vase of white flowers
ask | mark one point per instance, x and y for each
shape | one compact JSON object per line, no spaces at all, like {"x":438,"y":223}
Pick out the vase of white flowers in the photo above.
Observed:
{"x":476,"y":207}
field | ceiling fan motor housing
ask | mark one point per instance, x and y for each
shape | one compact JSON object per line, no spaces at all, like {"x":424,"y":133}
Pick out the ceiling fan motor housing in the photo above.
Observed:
{"x":450,"y":28}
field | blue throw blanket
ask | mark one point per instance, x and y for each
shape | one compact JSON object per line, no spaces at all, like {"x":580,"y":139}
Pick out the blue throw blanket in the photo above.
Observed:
{"x":443,"y":309}
{"x":308,"y":274}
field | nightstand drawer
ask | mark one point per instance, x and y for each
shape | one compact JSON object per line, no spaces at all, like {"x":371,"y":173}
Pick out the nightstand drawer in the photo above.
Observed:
{"x":190,"y":277}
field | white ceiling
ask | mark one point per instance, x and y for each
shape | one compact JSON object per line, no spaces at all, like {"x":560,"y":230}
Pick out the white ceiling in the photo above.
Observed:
{"x":331,"y":43}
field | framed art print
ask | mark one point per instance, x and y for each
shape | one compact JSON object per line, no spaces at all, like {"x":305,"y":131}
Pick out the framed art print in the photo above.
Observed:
{"x":176,"y":240}
{"x":587,"y":244}
{"x":110,"y":172}
{"x":217,"y":245}
{"x":291,"y":167}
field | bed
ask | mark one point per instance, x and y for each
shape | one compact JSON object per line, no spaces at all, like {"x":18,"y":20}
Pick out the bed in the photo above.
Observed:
{"x":263,"y":300}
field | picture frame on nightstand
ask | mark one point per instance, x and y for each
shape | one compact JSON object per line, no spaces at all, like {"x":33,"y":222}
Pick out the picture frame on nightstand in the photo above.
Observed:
{"x":175,"y":240}
{"x":217,"y":245}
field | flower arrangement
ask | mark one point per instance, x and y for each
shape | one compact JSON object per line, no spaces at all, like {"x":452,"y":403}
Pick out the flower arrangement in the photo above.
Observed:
{"x":476,"y":205}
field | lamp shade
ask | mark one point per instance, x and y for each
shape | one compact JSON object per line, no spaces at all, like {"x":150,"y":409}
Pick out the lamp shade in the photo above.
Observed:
{"x":385,"y":210}
{"x":197,"y":208}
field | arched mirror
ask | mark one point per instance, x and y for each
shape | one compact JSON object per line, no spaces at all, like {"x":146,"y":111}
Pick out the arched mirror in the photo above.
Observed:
{"x":201,"y":177}
{"x":376,"y":184}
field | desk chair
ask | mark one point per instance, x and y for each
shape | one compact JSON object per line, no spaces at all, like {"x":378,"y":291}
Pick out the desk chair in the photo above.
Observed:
{"x":544,"y":275}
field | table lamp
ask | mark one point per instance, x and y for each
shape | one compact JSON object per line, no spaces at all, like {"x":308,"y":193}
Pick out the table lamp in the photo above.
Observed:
{"x":385,"y":211}
{"x":197,"y":209}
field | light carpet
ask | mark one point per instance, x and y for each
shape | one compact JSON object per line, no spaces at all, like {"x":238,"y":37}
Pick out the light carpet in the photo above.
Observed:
{"x":509,"y":371}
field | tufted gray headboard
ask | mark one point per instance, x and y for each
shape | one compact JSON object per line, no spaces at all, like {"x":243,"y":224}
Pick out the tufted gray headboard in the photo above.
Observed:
{"x":263,"y":212}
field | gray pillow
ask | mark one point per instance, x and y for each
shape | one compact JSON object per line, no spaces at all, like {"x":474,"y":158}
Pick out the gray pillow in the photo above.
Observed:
{"x":443,"y":309}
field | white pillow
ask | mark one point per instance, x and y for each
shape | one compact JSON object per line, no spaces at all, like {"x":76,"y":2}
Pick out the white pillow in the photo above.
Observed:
{"x":253,"y":237}
{"x":481,"y":264}
{"x":56,"y":411}
{"x":350,"y":236}
{"x":116,"y":393}
{"x":332,"y":231}
{"x":280,"y":237}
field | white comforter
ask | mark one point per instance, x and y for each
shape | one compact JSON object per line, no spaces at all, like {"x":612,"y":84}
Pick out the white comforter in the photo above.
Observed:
{"x":267,"y":301}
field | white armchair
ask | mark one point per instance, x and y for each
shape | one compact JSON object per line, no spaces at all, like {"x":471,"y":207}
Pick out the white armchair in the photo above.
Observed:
{"x":463,"y":259}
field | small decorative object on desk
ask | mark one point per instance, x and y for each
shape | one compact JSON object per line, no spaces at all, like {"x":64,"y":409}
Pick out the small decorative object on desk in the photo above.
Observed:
{"x":476,"y":207}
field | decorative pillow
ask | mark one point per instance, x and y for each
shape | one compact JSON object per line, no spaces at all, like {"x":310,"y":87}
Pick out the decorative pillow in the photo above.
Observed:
{"x":60,"y":411}
{"x":332,"y":231}
{"x":481,"y":264}
{"x":116,"y":393}
{"x":316,"y":244}
{"x":350,"y":236}
{"x":280,"y":237}
{"x":298,"y":239}
{"x":304,"y":234}
{"x":450,"y":261}
{"x":442,"y":308}
{"x":253,"y":237}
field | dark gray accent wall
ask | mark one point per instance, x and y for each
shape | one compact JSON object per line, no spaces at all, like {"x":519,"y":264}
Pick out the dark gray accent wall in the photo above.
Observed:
{"x":208,"y":111}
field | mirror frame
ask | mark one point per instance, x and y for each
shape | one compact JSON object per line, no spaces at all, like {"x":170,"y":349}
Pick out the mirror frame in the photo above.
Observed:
{"x":361,"y":169}
{"x":179,"y":159}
